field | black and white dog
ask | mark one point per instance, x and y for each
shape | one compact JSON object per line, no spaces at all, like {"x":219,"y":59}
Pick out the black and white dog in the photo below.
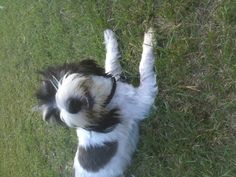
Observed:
{"x":104,"y":109}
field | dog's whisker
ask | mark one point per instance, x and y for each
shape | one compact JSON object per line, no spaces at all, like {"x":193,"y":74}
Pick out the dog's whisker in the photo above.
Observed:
{"x":54,"y":85}
{"x":55,"y":82}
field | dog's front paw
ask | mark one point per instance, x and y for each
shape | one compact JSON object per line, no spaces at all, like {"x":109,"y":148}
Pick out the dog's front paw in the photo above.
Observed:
{"x":110,"y":38}
{"x":149,"y":37}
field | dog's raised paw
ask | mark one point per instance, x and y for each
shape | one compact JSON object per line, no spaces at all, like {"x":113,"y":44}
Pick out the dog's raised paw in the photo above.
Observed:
{"x":109,"y":36}
{"x":149,"y":37}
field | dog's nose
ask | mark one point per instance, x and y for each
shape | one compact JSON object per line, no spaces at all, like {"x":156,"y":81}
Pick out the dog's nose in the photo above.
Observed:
{"x":74,"y":105}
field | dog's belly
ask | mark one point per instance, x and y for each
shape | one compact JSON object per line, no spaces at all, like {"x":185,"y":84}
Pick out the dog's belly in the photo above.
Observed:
{"x":109,"y":160}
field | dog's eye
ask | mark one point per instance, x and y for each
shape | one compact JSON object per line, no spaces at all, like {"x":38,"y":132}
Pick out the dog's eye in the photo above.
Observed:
{"x":74,"y":105}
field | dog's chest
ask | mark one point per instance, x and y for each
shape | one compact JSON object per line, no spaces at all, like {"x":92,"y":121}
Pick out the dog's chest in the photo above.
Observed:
{"x":94,"y":158}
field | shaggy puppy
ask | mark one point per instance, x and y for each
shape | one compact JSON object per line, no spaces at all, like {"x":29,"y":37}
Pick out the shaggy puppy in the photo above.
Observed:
{"x":104,"y":109}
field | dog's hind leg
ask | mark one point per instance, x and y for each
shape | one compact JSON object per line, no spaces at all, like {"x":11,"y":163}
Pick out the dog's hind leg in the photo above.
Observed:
{"x":112,"y":63}
{"x":148,"y":86}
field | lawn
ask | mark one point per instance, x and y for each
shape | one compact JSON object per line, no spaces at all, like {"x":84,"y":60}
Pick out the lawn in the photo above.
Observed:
{"x":191,"y":131}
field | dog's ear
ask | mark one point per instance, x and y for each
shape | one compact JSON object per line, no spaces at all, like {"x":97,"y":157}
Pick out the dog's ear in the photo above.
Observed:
{"x":85,"y":67}
{"x":90,"y":67}
{"x":46,"y":93}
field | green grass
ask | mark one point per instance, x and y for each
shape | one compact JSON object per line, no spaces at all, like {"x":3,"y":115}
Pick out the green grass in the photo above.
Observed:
{"x":192,"y":130}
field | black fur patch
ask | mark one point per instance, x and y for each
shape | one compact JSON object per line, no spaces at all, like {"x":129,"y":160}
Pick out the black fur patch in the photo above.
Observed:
{"x":107,"y":122}
{"x":94,"y":158}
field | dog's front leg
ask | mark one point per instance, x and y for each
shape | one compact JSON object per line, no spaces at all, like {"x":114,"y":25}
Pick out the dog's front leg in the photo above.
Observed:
{"x":148,"y":86}
{"x":112,"y":63}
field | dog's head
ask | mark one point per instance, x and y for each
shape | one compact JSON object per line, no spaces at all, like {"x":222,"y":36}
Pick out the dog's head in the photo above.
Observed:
{"x":77,"y":94}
